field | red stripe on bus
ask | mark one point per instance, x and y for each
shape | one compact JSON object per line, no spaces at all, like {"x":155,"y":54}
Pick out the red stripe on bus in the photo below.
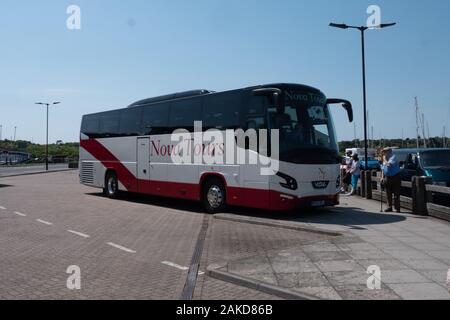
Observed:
{"x":99,"y":152}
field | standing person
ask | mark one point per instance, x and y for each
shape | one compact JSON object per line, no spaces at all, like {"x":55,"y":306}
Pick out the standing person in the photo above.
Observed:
{"x":390,"y":176}
{"x":345,"y":171}
{"x":355,"y":171}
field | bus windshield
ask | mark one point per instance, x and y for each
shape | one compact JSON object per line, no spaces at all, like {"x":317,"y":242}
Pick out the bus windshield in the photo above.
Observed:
{"x":306,"y":128}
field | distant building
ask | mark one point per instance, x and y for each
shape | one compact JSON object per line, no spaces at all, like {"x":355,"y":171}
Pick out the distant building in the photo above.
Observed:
{"x":13,"y":157}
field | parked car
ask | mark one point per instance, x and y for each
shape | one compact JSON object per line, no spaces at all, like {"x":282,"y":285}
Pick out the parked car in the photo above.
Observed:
{"x":372,"y":163}
{"x":434,"y":163}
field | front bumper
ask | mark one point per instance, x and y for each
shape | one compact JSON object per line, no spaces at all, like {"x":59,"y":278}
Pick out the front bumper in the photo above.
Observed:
{"x":283,"y":202}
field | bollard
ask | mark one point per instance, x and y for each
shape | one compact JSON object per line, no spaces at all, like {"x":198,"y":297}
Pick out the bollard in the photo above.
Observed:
{"x":363,"y":184}
{"x":374,"y":183}
{"x":420,"y":195}
{"x":368,"y":185}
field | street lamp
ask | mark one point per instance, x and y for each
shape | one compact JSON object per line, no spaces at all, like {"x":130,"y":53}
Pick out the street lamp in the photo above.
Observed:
{"x":46,"y":145}
{"x":362,"y":29}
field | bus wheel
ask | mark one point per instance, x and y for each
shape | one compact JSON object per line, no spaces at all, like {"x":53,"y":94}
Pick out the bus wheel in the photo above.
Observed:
{"x":111,"y":189}
{"x":214,"y":195}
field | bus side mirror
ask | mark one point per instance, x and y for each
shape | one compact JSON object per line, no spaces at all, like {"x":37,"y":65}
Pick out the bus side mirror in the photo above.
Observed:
{"x":345,"y":104}
{"x":348,"y":107}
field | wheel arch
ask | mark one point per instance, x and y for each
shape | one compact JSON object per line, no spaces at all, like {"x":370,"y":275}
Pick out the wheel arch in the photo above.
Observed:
{"x":210,"y":175}
{"x":107,"y":171}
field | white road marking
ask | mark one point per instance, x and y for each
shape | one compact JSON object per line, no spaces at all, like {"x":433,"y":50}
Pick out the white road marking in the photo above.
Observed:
{"x":79,"y":233}
{"x":121,"y":247}
{"x":20,"y":214}
{"x":3,"y":208}
{"x":44,"y":222}
{"x":171,"y":264}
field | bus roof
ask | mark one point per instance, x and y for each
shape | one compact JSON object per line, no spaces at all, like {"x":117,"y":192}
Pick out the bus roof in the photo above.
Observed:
{"x":173,"y":96}
{"x":194,"y":93}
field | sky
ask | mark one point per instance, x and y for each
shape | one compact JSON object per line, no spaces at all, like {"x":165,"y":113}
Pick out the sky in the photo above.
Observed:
{"x":130,"y":50}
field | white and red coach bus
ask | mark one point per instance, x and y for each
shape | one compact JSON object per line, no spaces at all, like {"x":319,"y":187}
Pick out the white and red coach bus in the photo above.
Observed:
{"x":130,"y":149}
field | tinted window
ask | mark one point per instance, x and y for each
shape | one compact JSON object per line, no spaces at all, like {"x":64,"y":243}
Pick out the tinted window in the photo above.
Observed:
{"x":90,"y":125}
{"x":130,"y":121}
{"x":155,"y":119}
{"x":183,"y":113}
{"x":109,"y":124}
{"x":255,"y":112}
{"x":222,"y":111}
{"x":438,"y":158}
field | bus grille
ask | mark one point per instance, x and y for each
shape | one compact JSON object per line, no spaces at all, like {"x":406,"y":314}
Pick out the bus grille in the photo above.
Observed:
{"x":87,"y":173}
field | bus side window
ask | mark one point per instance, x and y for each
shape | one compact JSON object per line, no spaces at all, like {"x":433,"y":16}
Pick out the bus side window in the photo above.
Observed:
{"x":109,"y":124}
{"x":155,"y":119}
{"x":130,"y":121}
{"x":222,"y":111}
{"x":184,"y":113}
{"x":255,"y":115}
{"x":90,"y":126}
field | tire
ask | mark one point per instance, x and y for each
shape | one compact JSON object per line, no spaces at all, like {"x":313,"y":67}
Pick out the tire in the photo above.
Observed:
{"x":214,"y":196}
{"x":111,"y":189}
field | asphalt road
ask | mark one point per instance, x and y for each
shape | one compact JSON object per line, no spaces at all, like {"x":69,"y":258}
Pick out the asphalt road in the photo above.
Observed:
{"x":10,"y":171}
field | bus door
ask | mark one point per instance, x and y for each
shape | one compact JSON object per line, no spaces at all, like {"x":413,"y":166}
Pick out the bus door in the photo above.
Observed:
{"x":143,"y":164}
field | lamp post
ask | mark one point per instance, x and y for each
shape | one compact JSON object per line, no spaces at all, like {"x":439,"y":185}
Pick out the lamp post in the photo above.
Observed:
{"x":46,"y":144}
{"x":362,"y":29}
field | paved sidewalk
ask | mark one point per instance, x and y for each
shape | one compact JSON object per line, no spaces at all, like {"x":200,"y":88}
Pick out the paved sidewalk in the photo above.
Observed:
{"x":7,"y":171}
{"x":412,"y":252}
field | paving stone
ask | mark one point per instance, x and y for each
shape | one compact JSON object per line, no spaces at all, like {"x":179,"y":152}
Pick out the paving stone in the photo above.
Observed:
{"x":250,"y":266}
{"x":440,"y":254}
{"x":320,"y":247}
{"x":426,"y":246}
{"x":338,"y":265}
{"x":357,"y":246}
{"x":384,"y":264}
{"x":438,"y":276}
{"x":326,"y":293}
{"x":426,"y":264}
{"x":304,"y":279}
{"x":287,"y":267}
{"x":361,"y":292}
{"x":368,"y":254}
{"x":402,"y":276}
{"x":327,"y":256}
{"x":342,"y":278}
{"x":420,"y":291}
{"x":407,"y":254}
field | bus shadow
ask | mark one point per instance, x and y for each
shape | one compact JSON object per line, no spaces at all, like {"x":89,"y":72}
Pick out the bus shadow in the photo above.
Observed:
{"x":170,"y":203}
{"x":352,"y":217}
